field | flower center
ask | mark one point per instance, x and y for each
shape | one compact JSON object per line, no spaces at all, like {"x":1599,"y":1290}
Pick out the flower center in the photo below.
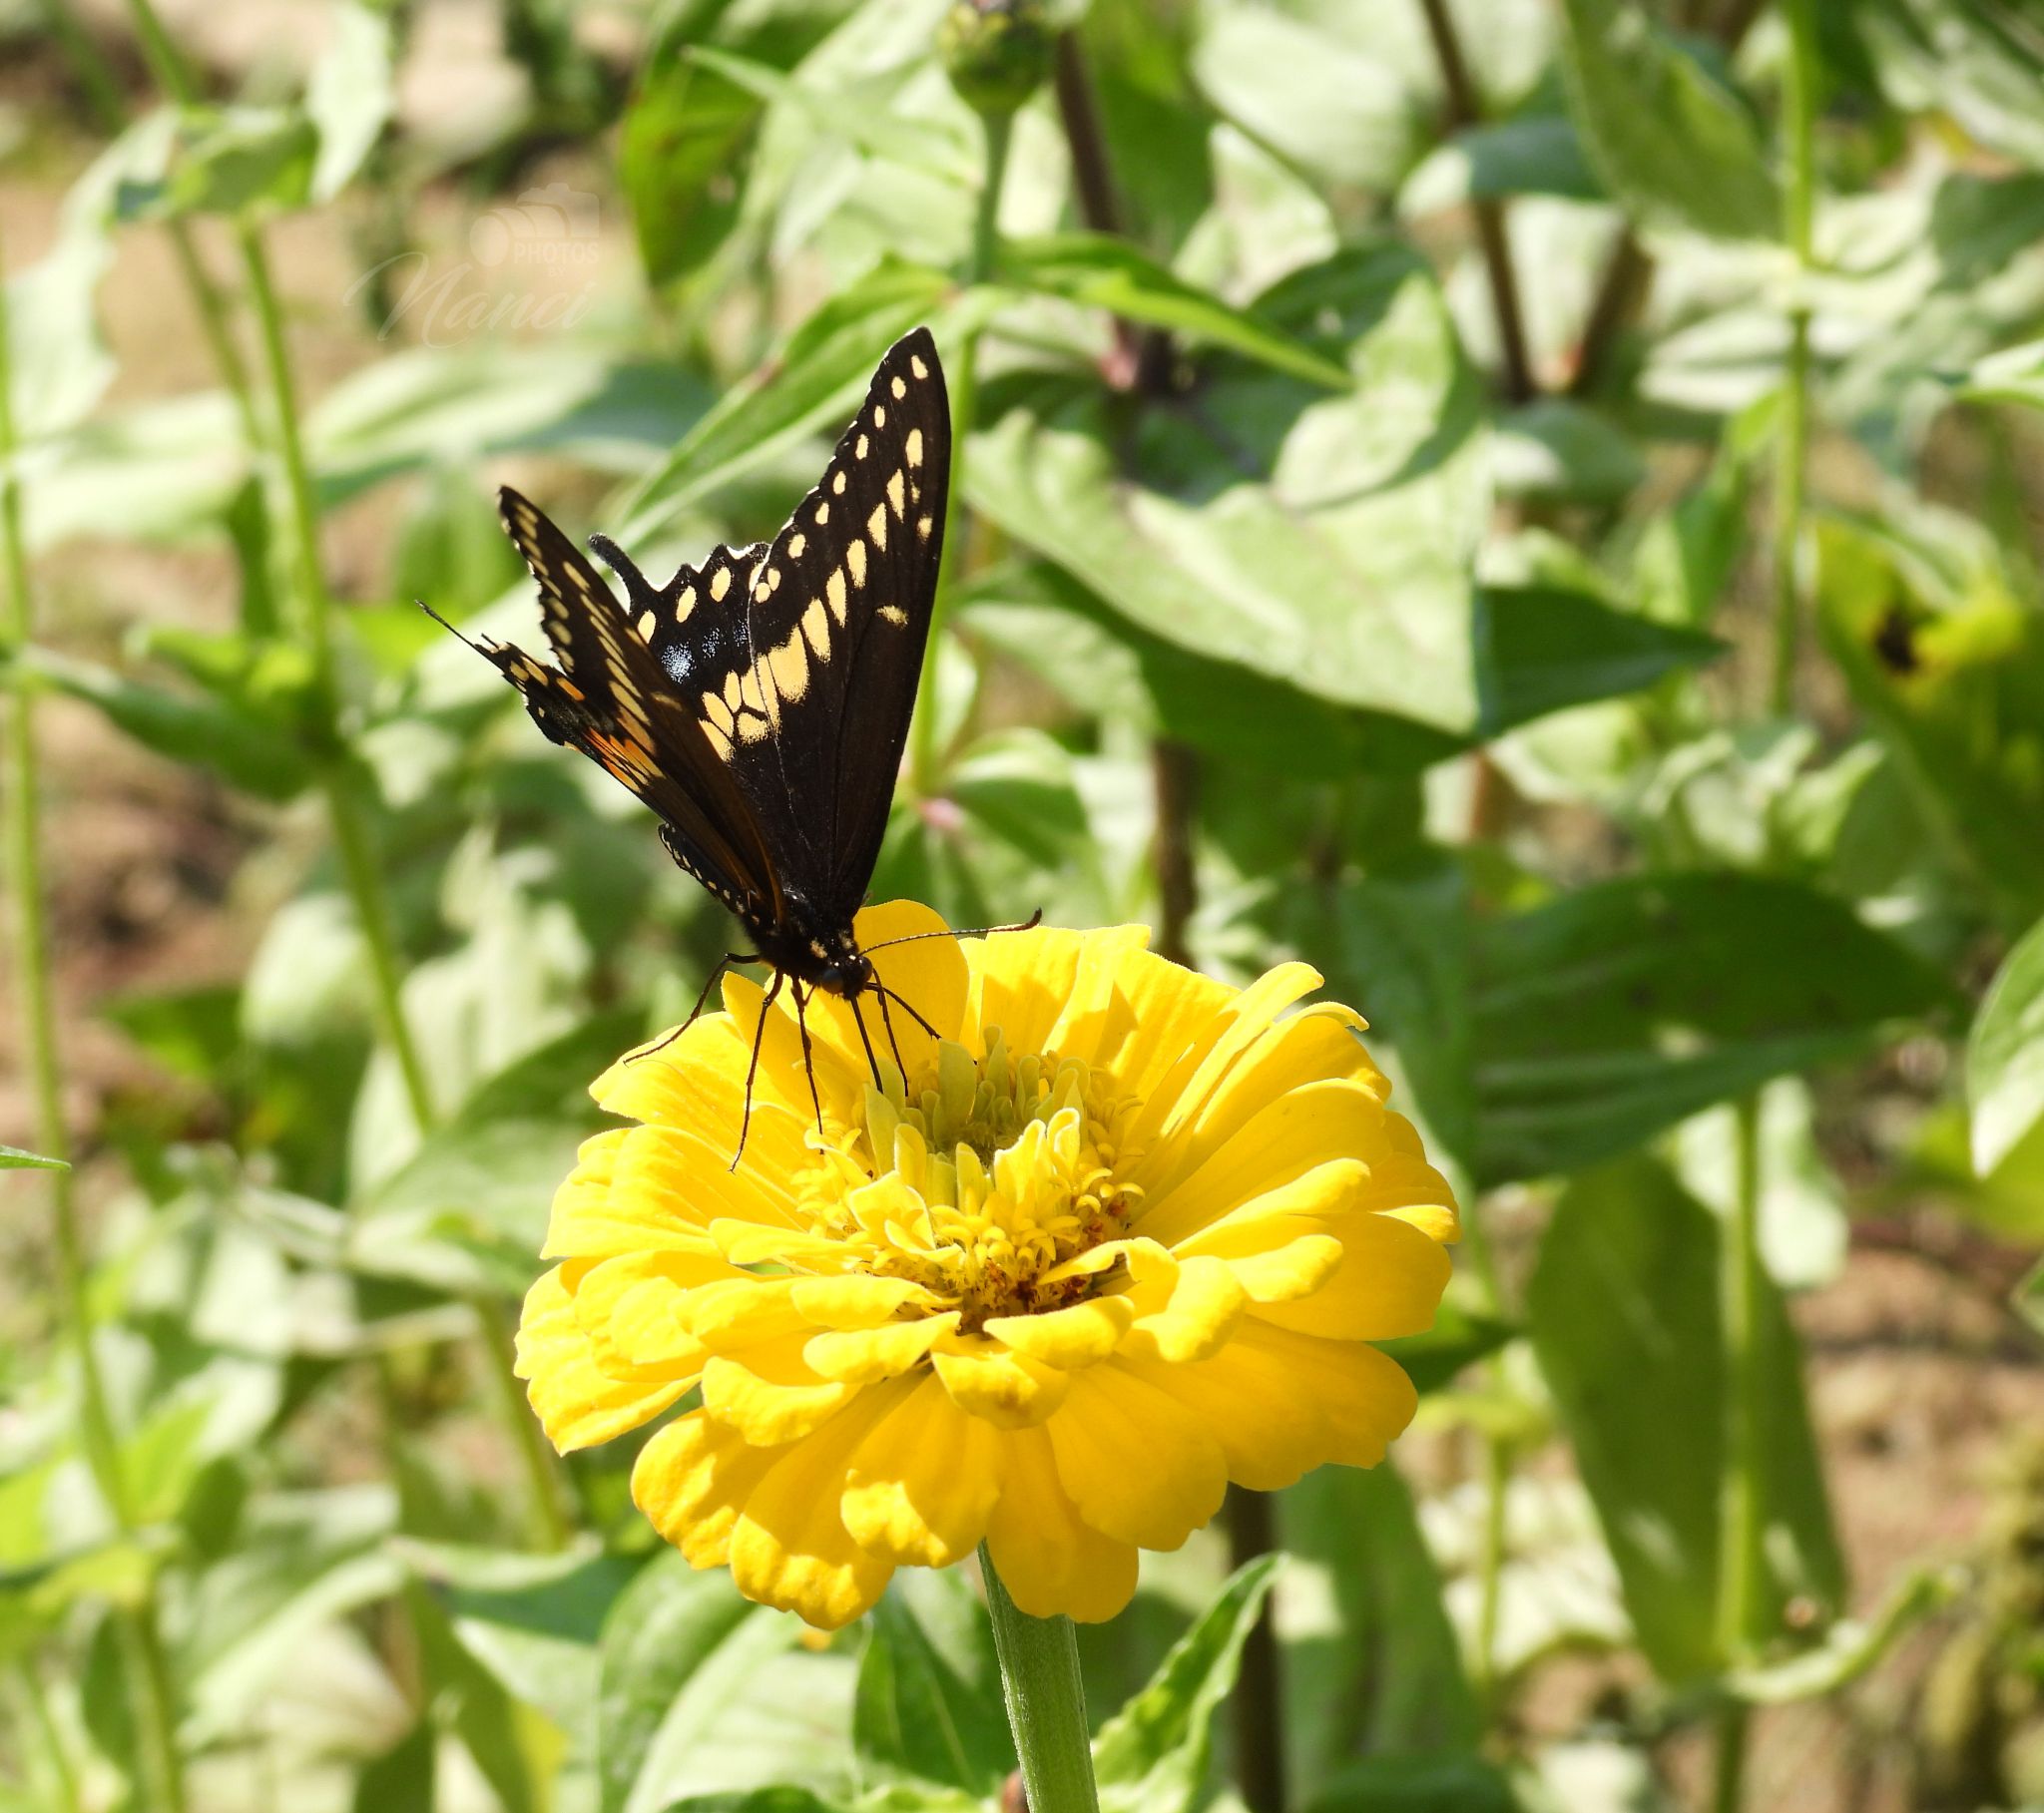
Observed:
{"x":983,"y":1182}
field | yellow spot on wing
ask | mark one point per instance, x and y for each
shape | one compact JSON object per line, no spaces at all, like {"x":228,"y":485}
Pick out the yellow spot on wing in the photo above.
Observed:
{"x":824,"y":511}
{"x":858,"y":452}
{"x":836,"y":486}
{"x":815,"y":627}
{"x":916,"y":365}
{"x":730,"y":691}
{"x":912,"y":447}
{"x":645,"y":625}
{"x":856,"y":558}
{"x":720,"y":584}
{"x":877,"y":526}
{"x":715,"y":713}
{"x":790,"y":666}
{"x":796,"y":543}
{"x":924,"y":526}
{"x":897,"y":493}
{"x":900,"y":389}
{"x":720,"y":742}
{"x":879,"y":415}
{"x":894,"y":615}
{"x":833,"y":590}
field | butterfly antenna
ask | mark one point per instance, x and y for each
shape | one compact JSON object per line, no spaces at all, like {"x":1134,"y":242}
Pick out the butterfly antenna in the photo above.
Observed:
{"x":753,"y":1069}
{"x":1030,"y":924}
{"x":722,"y":963}
{"x":637,"y":588}
{"x":450,"y":628}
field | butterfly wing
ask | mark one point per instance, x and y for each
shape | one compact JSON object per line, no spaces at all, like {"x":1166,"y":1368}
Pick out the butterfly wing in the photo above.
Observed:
{"x":837,"y":614}
{"x":614,"y":701}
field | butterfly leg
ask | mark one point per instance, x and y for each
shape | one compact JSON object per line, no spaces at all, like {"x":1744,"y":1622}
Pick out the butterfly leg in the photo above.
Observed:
{"x":802,"y":1001}
{"x":753,"y":1069}
{"x":858,"y":1020}
{"x":908,"y":1009}
{"x":888,"y":1020}
{"x":722,"y":963}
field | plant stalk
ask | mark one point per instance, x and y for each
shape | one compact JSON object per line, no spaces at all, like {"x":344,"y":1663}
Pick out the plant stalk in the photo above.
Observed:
{"x":1740,"y":1578}
{"x":1798,"y":122}
{"x":141,"y":1642}
{"x":1046,"y":1701}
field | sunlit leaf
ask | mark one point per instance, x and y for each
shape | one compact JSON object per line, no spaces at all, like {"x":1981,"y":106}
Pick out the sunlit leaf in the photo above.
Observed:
{"x":2005,"y":1055}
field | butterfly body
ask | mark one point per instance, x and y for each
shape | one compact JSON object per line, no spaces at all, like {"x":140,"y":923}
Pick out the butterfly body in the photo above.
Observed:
{"x":758,"y":703}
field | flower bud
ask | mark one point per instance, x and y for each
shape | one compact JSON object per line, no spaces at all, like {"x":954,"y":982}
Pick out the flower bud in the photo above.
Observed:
{"x":996,"y":52}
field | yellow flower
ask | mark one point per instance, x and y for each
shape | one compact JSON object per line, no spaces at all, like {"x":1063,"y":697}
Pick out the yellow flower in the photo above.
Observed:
{"x":1123,"y":1238}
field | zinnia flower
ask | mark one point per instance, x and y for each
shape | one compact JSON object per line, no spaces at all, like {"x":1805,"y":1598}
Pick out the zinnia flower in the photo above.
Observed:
{"x":1122,"y":1238}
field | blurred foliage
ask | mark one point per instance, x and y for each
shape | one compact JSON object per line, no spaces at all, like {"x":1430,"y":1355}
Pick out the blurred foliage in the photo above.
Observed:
{"x":1371,"y":425}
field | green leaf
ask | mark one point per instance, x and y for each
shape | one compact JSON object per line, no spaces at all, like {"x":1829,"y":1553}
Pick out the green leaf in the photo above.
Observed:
{"x":1941,"y":651}
{"x":757,"y":1800}
{"x":1151,"y":1756}
{"x":1560,"y":452}
{"x":248,"y":161}
{"x":1672,"y":146}
{"x":1976,"y":61}
{"x":1366,"y":602}
{"x":2015,"y":374}
{"x":2005,"y":1055}
{"x":1551,"y":649}
{"x":688,"y":128}
{"x":812,"y":385}
{"x":1417,"y":1784}
{"x":1326,"y":107}
{"x":256,"y":753}
{"x":12,"y":1158}
{"x":1376,"y":1668}
{"x":1109,"y":668}
{"x":533,"y":1621}
{"x":1535,"y":153}
{"x":58,"y":364}
{"x":929,"y":1685}
{"x":1619,"y":1010}
{"x":1458,"y":1338}
{"x":350,"y":97}
{"x":1624,"y":1313}
{"x":703,"y":1692}
{"x":1101,"y":272}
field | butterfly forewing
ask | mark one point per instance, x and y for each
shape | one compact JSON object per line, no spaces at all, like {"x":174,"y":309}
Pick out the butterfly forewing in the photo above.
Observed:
{"x":839,"y":610}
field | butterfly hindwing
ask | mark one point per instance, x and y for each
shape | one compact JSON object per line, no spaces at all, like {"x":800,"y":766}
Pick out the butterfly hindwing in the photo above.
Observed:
{"x":612,"y":699}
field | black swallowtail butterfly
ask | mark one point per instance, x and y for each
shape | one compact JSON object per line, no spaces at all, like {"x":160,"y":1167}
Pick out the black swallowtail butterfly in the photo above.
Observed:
{"x":758,"y":703}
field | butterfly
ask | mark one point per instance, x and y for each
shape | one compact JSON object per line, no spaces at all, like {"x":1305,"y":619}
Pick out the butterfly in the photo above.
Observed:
{"x":758,"y":703}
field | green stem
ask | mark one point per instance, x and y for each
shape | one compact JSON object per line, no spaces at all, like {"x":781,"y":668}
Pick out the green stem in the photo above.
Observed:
{"x":1798,"y":119}
{"x":1046,"y":1700}
{"x":38,"y":1035}
{"x":1728,"y":1791}
{"x":51,"y":1739}
{"x":964,"y":376}
{"x":1740,"y":1584}
{"x":1497,"y":1479}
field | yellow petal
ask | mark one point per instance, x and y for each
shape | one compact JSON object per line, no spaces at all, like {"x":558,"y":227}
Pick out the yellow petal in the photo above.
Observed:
{"x":691,"y":1479}
{"x":1277,"y":1145}
{"x":736,"y":1313}
{"x":1081,"y":1334}
{"x":1284,"y":1273}
{"x":1388,"y":1283}
{"x":1050,"y":1559}
{"x":1363,"y":1395}
{"x":771,"y":1394}
{"x":1263,"y":1221}
{"x":783,"y":1074}
{"x":1135,"y":1461}
{"x":1265,"y":1414}
{"x":923,"y":1482}
{"x":1203,"y":1306}
{"x":855,"y":1301}
{"x":790,"y":1548}
{"x":1402,"y":1183}
{"x":863,"y":1356}
{"x":630,"y":1306}
{"x":1098,"y":1014}
{"x":1245,"y":1022}
{"x":1008,"y":1389}
{"x":586,"y":1224}
{"x":679,"y":1179}
{"x":1168,"y":1019}
{"x":577,"y":1403}
{"x":1021,"y":981}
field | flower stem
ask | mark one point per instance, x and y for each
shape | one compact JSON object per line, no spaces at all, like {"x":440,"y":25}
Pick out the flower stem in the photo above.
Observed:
{"x":543,"y":1483}
{"x":142,"y":1645}
{"x":1739,"y":1579}
{"x":1046,"y":1700}
{"x":1799,"y":110}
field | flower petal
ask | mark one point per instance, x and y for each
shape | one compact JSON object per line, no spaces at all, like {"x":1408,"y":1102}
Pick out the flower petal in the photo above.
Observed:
{"x":923,"y":1482}
{"x":929,"y":974}
{"x":771,"y":1394}
{"x":1021,"y":981}
{"x":1050,"y":1559}
{"x":677,"y":1180}
{"x":693,"y":1479}
{"x":1364,"y":1394}
{"x":630,"y":1308}
{"x":1081,"y":1334}
{"x":1008,"y":1389}
{"x":1205,"y":1305}
{"x":1266,"y":1415}
{"x":1388,"y":1283}
{"x":578,"y":1403}
{"x":1109,"y":1420}
{"x":863,"y":1356}
{"x":1264,"y":1220}
{"x":856,"y":1300}
{"x":789,"y":1546}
